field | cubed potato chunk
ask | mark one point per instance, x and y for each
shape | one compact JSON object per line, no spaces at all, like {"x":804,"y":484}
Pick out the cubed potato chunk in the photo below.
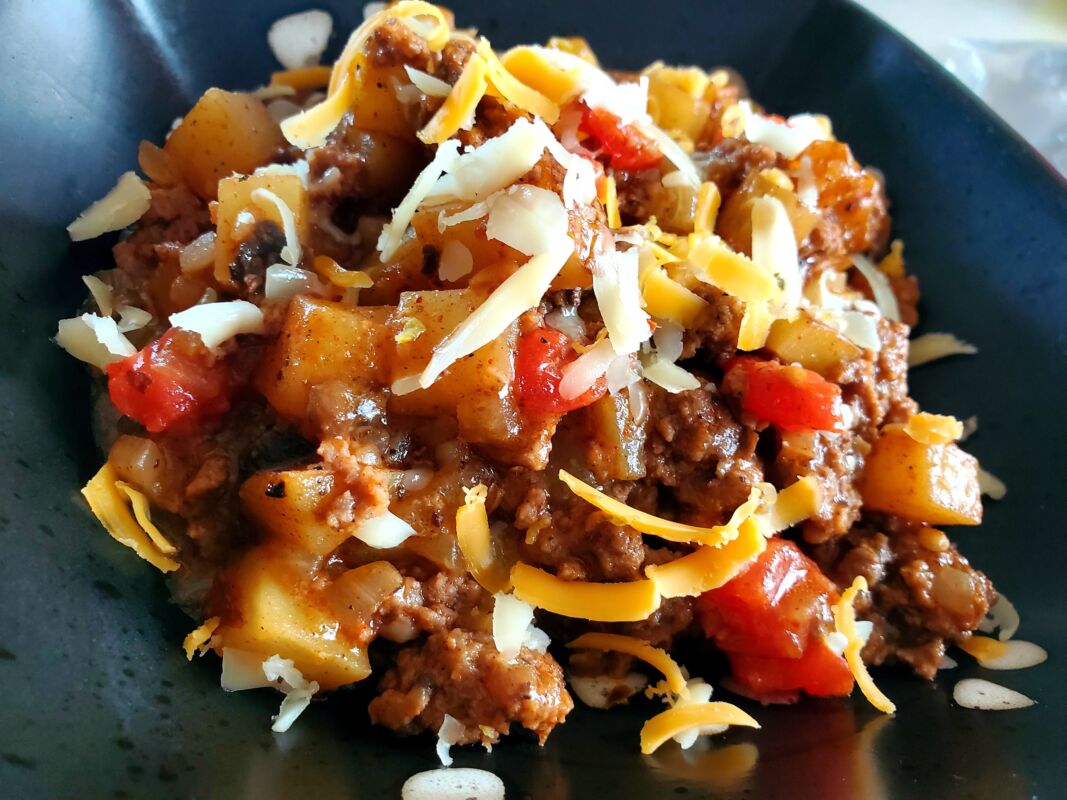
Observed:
{"x":225,"y":132}
{"x":933,"y":483}
{"x":321,"y":342}
{"x":289,"y":506}
{"x":811,"y":344}
{"x":235,"y":196}
{"x":615,"y":444}
{"x":376,"y":106}
{"x":272,"y":608}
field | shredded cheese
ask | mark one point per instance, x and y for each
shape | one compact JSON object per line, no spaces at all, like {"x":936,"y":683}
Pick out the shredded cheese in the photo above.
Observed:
{"x":709,"y":198}
{"x":107,"y":505}
{"x":667,"y":299}
{"x":217,"y":322}
{"x":410,"y":330}
{"x":301,"y":78}
{"x":789,"y":138}
{"x":794,"y":504}
{"x":618,"y":296}
{"x":884,"y":297}
{"x":845,"y":623}
{"x":709,"y":567}
{"x":622,"y":514}
{"x":426,"y":83}
{"x":630,"y":601}
{"x":93,"y":339}
{"x":393,"y":232}
{"x":310,"y":128}
{"x":734,"y":273}
{"x":668,"y":375}
{"x":933,"y":346}
{"x":991,"y":486}
{"x":637,"y":648}
{"x":515,"y":91}
{"x":933,"y":428}
{"x":755,"y":326}
{"x":292,"y":253}
{"x":199,"y":638}
{"x":102,"y":294}
{"x":528,"y":218}
{"x":579,"y":375}
{"x":774,"y":247}
{"x":681,"y":718}
{"x":122,"y":206}
{"x":329,"y":269}
{"x":461,"y":103}
{"x":611,"y":203}
{"x":476,"y":544}
{"x":142,"y":513}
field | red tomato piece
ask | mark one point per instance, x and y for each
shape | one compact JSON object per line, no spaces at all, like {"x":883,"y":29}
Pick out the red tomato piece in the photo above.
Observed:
{"x":819,"y":671}
{"x":789,"y":397}
{"x":170,"y":382}
{"x":539,"y":364}
{"x":625,"y":145}
{"x":771,"y":608}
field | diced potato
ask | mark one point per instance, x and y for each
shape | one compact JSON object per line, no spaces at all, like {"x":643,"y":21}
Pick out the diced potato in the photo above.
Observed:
{"x":811,"y":344}
{"x":675,"y":109}
{"x":615,"y":444}
{"x":288,"y":506}
{"x":235,"y":196}
{"x":320,"y":342}
{"x":272,"y":608}
{"x":933,"y":483}
{"x":225,"y":132}
{"x":376,"y":106}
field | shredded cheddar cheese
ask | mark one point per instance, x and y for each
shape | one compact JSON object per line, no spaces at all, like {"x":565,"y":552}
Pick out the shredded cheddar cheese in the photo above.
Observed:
{"x":611,"y":203}
{"x":540,"y":70}
{"x":667,"y":299}
{"x":622,"y":514}
{"x":142,"y":513}
{"x":795,"y":503}
{"x":630,"y":601}
{"x":633,"y":646}
{"x":329,"y":269}
{"x":983,"y":648}
{"x":507,"y":86}
{"x":845,"y":622}
{"x":709,"y":198}
{"x":198,"y":638}
{"x":709,"y":567}
{"x":302,"y":78}
{"x":682,"y":718}
{"x":311,"y":127}
{"x":461,"y":103}
{"x":472,"y":534}
{"x":933,"y":428}
{"x":107,"y":505}
{"x":755,"y":327}
{"x":732,"y":272}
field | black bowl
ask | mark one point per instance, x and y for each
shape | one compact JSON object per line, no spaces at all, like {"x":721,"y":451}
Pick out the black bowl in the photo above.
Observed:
{"x":98,"y":700}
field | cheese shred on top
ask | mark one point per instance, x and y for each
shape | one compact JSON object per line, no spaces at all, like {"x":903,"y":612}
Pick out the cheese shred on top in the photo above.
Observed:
{"x":637,"y":648}
{"x":197,"y":639}
{"x":845,"y":622}
{"x":679,"y":719}
{"x":630,"y":601}
{"x":475,"y":542}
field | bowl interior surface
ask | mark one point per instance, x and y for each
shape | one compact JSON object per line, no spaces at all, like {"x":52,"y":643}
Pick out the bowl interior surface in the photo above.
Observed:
{"x":100,"y":701}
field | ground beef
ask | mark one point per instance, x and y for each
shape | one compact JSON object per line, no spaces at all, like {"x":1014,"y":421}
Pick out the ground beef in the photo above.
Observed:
{"x":429,"y":606}
{"x":454,"y":58}
{"x":924,"y":594}
{"x":462,"y":674}
{"x":715,"y":330}
{"x":732,"y":160}
{"x":834,"y":461}
{"x":261,"y":249}
{"x":393,"y":44}
{"x":175,"y":217}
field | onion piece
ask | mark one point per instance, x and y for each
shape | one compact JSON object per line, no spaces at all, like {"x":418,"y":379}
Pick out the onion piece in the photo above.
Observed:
{"x":282,"y":281}
{"x":884,"y":297}
{"x":384,"y":531}
{"x":199,"y":254}
{"x":453,"y":784}
{"x":567,"y":321}
{"x":299,"y":40}
{"x":987,"y":696}
{"x":122,"y":206}
{"x":605,"y":691}
{"x":1002,"y":615}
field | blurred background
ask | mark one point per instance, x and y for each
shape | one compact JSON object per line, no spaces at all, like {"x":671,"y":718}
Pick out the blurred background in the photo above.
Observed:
{"x":1011,"y":53}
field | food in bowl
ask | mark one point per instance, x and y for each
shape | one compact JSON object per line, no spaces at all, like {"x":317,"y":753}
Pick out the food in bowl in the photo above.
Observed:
{"x":480,"y":375}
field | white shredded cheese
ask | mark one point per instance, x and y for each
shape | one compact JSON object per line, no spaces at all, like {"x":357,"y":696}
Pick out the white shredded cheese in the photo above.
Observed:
{"x":628,"y":101}
{"x":284,"y":675}
{"x":530,"y":219}
{"x":933,"y":346}
{"x":884,"y":297}
{"x":1016,"y":654}
{"x":1003,"y":616}
{"x":567,"y":321}
{"x":668,"y":340}
{"x":622,"y":373}
{"x":673,"y":152}
{"x":618,"y":296}
{"x":456,"y":261}
{"x":102,"y":294}
{"x":789,"y":138}
{"x":126,"y":203}
{"x":282,"y":108}
{"x":199,"y":254}
{"x":579,"y":375}
{"x":384,"y":531}
{"x":460,"y":783}
{"x":669,"y":375}
{"x":292,"y":252}
{"x":522,"y":290}
{"x":493,"y":165}
{"x":986,"y":696}
{"x":450,"y":733}
{"x":93,"y":339}
{"x":282,"y":281}
{"x":132,"y":318}
{"x":393,"y":231}
{"x":299,"y":168}
{"x":775,"y":248}
{"x":299,"y":40}
{"x":218,"y":322}
{"x":427,"y":83}
{"x":513,"y":625}
{"x":807,"y":190}
{"x":991,"y":486}
{"x":699,"y":692}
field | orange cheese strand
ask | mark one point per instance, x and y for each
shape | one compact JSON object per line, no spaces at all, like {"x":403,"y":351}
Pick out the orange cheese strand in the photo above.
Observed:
{"x":329,"y":269}
{"x":633,"y":646}
{"x":311,"y":127}
{"x":631,"y":601}
{"x":461,"y":103}
{"x":107,"y":505}
{"x":845,"y":622}
{"x":515,"y":91}
{"x":709,"y":567}
{"x":983,"y":648}
{"x":795,"y":503}
{"x":198,"y":639}
{"x":472,"y":534}
{"x":681,"y":718}
{"x":142,"y":513}
{"x":302,"y":78}
{"x":622,"y":514}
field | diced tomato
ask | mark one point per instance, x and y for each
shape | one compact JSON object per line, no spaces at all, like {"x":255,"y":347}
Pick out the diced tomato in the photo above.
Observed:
{"x":171,"y":382}
{"x":819,"y":671}
{"x":543,"y":352}
{"x":789,"y":397}
{"x":770,"y":622}
{"x":625,"y":145}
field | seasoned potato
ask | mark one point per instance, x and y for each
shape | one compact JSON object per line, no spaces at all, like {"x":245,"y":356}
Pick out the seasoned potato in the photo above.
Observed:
{"x":377,"y":107}
{"x":735,"y":219}
{"x":934,"y":483}
{"x":273,"y":609}
{"x":615,"y":444}
{"x":235,"y":196}
{"x":811,"y":344}
{"x":288,"y":506}
{"x":320,"y":342}
{"x":225,"y":132}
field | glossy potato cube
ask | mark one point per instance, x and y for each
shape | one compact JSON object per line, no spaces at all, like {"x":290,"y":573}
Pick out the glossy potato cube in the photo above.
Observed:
{"x":289,"y":506}
{"x":811,"y":344}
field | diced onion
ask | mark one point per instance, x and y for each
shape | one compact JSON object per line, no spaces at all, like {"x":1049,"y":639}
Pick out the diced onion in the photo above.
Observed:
{"x":218,"y":322}
{"x":282,"y":282}
{"x":583,"y":372}
{"x":384,"y":531}
{"x":426,"y":83}
{"x":986,"y":696}
{"x":298,"y":40}
{"x":566,"y":320}
{"x":453,"y":784}
{"x":933,"y":346}
{"x":119,"y":208}
{"x":604,"y":691}
{"x":512,"y":619}
{"x":884,"y":297}
{"x":93,"y":339}
{"x":199,"y":254}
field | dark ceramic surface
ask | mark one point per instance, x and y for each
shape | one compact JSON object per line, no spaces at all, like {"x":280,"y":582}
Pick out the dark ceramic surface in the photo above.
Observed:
{"x":97,"y":698}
